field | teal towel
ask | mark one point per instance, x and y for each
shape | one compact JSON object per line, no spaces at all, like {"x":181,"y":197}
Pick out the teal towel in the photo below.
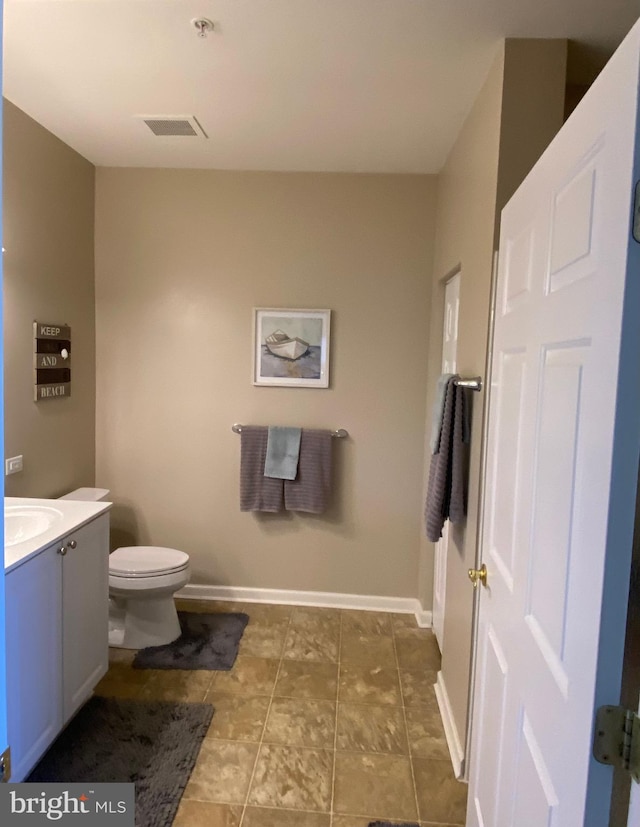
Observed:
{"x":283,"y":450}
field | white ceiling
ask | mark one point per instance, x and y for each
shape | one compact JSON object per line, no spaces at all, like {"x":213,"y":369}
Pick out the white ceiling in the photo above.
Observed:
{"x":318,"y":85}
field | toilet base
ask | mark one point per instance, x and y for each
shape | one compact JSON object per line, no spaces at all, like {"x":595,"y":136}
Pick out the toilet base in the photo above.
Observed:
{"x":138,"y":622}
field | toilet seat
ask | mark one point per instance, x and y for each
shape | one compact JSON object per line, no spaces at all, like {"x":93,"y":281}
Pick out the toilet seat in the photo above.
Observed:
{"x":146,"y":561}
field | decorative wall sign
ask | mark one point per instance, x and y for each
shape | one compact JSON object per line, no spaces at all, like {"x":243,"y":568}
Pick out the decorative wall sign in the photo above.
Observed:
{"x":51,"y":361}
{"x":291,"y":347}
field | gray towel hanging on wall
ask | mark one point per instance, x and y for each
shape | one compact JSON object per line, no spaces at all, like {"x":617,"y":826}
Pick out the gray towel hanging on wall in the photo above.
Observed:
{"x":447,"y":488}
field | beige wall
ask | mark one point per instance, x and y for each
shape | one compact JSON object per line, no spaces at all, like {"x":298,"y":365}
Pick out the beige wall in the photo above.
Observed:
{"x":182,"y":257}
{"x":48,"y":210}
{"x":511,"y":123}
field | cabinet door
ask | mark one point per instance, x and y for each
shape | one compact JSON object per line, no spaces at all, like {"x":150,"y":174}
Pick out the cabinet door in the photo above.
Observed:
{"x":85,"y":612}
{"x":34,"y":659}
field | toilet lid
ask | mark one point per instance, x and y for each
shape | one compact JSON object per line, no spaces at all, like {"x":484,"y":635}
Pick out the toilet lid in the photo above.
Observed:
{"x":145,"y":561}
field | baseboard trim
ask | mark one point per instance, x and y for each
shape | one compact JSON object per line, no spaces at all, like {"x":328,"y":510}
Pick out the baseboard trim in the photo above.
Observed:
{"x":456,"y":750}
{"x":424,"y":619}
{"x":291,"y":597}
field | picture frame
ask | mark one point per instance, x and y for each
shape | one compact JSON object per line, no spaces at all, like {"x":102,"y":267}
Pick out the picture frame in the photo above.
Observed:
{"x":291,"y":347}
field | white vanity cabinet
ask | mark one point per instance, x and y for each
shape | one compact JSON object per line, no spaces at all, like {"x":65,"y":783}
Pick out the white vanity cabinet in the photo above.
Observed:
{"x":57,"y":620}
{"x":85,"y":613}
{"x":34,"y":663}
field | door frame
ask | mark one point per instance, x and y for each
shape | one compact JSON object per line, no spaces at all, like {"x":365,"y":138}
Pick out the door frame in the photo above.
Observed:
{"x":3,"y":654}
{"x":630,"y":688}
{"x":475,"y":595}
{"x":625,"y":479}
{"x":441,"y":548}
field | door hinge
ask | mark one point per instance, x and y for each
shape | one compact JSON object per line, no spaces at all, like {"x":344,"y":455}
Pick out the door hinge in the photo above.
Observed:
{"x":5,"y":765}
{"x":635,"y":222}
{"x":616,"y":739}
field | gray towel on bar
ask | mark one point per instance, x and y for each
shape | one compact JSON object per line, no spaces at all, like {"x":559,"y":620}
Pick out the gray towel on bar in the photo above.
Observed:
{"x":257,"y":492}
{"x":446,"y":493}
{"x":311,"y":489}
{"x":438,"y":410}
{"x":283,"y":450}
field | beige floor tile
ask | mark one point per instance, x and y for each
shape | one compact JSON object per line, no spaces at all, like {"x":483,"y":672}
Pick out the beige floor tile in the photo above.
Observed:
{"x":263,"y":641}
{"x":307,"y":680}
{"x":190,"y":686}
{"x":237,"y":717}
{"x":292,"y":777}
{"x":363,"y":821}
{"x":270,"y":817}
{"x":123,"y":672}
{"x":416,"y":632}
{"x":440,"y":824}
{"x":380,"y":784}
{"x":118,"y":689}
{"x":208,"y":606}
{"x":316,"y":620}
{"x":222,"y":772}
{"x":441,"y":797}
{"x":292,"y":786}
{"x":371,"y":729}
{"x":301,"y":723}
{"x":249,"y":676}
{"x":267,"y":614}
{"x":403,"y":621}
{"x":307,"y":644}
{"x":417,"y":685}
{"x":205,"y":814}
{"x":117,"y":655}
{"x":426,"y":732}
{"x":369,"y":650}
{"x":366,"y":623}
{"x":369,"y":685}
{"x":417,"y":652}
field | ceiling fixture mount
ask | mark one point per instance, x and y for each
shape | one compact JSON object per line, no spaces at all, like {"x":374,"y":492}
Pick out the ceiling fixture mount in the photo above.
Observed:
{"x":202,"y":25}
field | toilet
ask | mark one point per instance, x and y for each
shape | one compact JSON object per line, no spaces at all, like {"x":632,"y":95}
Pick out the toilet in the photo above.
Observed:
{"x":142,"y":583}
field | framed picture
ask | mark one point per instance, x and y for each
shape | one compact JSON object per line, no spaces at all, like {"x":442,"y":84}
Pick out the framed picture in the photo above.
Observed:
{"x":291,"y":347}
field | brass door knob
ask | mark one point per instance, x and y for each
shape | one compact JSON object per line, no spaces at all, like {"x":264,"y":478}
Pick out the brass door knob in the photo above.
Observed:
{"x":478,"y":575}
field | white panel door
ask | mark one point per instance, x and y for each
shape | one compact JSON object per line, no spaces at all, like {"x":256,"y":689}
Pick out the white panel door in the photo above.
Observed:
{"x":562,"y":453}
{"x":449,"y":355}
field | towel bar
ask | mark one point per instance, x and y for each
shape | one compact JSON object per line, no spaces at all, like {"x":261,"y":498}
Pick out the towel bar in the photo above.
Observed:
{"x":339,"y":434}
{"x":474,"y":384}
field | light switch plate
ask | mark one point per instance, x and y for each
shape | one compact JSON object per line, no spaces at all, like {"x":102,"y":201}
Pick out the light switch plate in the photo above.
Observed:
{"x":12,"y":465}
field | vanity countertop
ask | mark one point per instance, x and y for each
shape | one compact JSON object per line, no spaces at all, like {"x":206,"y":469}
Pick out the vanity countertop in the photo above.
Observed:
{"x":73,"y":514}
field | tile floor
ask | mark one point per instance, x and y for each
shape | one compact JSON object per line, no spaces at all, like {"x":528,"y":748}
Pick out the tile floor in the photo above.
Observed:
{"x":327,"y":719}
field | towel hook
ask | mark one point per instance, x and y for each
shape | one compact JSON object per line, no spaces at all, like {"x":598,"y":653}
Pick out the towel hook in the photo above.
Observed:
{"x":474,"y":384}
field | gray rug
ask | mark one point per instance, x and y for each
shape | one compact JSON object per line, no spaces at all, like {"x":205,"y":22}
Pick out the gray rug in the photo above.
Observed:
{"x":393,"y":824}
{"x":208,"y":641}
{"x":153,"y":744}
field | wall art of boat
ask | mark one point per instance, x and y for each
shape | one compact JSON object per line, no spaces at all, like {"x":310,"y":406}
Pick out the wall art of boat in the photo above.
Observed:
{"x":280,"y":344}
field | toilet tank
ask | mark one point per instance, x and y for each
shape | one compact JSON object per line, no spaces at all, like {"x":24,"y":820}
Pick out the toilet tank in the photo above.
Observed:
{"x":87,"y":494}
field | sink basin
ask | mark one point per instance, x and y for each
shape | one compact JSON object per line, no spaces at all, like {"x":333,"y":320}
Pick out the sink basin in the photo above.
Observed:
{"x":24,"y":522}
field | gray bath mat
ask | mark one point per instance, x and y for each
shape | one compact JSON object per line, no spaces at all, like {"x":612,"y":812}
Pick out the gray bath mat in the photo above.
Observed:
{"x":153,"y":744}
{"x":393,"y":824}
{"x":208,"y":641}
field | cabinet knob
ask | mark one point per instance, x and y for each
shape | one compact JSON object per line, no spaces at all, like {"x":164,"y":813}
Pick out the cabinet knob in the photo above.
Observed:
{"x":62,"y":550}
{"x":72,"y":544}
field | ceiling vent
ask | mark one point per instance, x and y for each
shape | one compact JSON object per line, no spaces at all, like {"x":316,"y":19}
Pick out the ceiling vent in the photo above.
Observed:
{"x":180,"y":126}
